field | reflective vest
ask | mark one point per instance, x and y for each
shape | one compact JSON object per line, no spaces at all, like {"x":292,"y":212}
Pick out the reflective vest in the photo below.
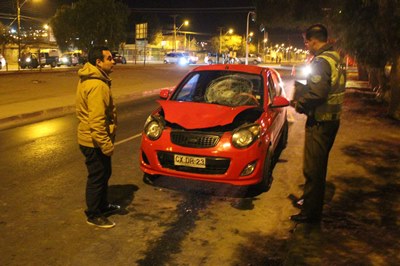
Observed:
{"x":332,"y":108}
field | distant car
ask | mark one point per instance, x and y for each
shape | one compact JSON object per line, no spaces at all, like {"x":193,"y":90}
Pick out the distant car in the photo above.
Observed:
{"x":3,"y":61}
{"x":251,"y":59}
{"x":118,"y":59}
{"x":28,"y":60}
{"x":192,"y":58}
{"x":222,"y":123}
{"x":176,"y":58}
{"x":68,"y":60}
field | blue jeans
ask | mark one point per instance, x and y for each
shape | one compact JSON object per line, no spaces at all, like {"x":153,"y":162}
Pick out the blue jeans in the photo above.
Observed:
{"x":99,"y":172}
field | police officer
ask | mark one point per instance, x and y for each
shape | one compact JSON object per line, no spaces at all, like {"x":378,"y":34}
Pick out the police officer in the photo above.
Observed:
{"x":322,"y":103}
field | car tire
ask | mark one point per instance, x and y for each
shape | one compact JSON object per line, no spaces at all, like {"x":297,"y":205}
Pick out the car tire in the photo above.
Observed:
{"x":267,"y":178}
{"x":285,"y":136}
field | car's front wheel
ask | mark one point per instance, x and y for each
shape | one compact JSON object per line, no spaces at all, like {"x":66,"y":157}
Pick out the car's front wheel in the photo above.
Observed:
{"x":267,"y":178}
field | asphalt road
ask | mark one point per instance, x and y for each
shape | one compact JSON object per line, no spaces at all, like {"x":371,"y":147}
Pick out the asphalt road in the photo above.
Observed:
{"x":175,"y":222}
{"x":181,"y":222}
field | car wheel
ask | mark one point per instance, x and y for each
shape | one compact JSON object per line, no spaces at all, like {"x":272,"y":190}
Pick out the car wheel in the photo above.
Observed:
{"x":149,"y":179}
{"x":285,"y":135}
{"x":1,"y":65}
{"x":23,"y":67}
{"x":267,"y":178}
{"x":255,"y":62}
{"x":124,"y":61}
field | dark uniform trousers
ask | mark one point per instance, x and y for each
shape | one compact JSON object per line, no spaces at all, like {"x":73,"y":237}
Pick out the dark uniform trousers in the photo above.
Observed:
{"x":319,"y":139}
{"x":99,"y":172}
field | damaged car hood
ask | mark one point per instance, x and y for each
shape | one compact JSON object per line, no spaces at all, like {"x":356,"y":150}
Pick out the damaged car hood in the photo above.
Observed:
{"x":191,"y":115}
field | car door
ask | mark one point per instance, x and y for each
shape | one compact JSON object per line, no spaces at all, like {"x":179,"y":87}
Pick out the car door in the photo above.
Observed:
{"x":276,"y":115}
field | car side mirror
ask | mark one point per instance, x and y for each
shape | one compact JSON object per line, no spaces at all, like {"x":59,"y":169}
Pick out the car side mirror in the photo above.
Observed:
{"x":166,"y":92}
{"x":279,"y":102}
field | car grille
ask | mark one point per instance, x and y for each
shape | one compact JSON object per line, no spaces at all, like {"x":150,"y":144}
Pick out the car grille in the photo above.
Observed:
{"x":214,"y":165}
{"x":194,"y":140}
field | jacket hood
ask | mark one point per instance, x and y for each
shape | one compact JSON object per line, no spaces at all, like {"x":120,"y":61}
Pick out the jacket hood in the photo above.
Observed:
{"x":192,"y":115}
{"x":89,"y":71}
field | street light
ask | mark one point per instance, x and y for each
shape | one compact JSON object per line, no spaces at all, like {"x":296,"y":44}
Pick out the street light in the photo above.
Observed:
{"x":19,"y":6}
{"x":186,"y":22}
{"x":253,"y":18}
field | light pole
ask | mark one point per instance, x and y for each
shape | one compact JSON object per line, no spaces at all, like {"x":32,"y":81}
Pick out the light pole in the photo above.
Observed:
{"x":19,"y":6}
{"x":253,"y":14}
{"x":186,"y":22}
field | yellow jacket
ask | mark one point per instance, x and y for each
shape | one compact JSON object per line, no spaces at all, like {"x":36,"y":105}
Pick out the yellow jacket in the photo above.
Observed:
{"x":95,"y":110}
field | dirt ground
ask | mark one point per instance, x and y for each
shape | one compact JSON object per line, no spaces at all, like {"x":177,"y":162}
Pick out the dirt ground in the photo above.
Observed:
{"x":361,"y":217}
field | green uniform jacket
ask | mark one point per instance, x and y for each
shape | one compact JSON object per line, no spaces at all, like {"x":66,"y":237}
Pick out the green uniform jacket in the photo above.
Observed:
{"x":95,"y":110}
{"x":325,"y":87}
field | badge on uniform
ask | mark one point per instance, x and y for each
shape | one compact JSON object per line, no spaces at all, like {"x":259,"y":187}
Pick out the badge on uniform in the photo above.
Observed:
{"x":316,"y":78}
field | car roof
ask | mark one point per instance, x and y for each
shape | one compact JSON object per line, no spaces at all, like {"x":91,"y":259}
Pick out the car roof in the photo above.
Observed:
{"x":241,"y":68}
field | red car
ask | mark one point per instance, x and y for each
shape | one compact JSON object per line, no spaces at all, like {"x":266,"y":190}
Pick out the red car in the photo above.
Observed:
{"x":222,"y":123}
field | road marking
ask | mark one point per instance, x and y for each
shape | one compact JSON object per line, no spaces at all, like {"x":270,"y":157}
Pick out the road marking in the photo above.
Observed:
{"x":127,"y":139}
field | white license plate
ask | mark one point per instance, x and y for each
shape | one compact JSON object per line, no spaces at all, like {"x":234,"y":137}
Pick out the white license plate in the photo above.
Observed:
{"x":191,"y":161}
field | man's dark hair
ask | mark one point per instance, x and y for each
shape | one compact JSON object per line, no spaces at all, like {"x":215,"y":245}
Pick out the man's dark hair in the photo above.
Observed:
{"x":95,"y":53}
{"x":318,"y":32}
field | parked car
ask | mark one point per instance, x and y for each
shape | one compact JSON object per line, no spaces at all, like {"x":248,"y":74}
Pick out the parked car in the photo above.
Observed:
{"x":176,"y":58}
{"x":28,"y":60}
{"x":48,"y":59}
{"x":222,"y":123}
{"x":82,"y":59}
{"x":251,"y":59}
{"x":3,"y":61}
{"x":118,"y":59}
{"x":68,"y":60}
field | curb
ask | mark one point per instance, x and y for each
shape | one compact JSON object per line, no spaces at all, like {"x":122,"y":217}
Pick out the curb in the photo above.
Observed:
{"x":38,"y":116}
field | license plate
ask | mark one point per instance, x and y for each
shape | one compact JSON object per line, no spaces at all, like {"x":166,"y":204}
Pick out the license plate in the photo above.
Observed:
{"x":191,"y":161}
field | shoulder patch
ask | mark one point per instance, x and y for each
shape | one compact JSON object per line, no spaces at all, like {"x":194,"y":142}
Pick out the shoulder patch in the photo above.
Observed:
{"x":316,"y":78}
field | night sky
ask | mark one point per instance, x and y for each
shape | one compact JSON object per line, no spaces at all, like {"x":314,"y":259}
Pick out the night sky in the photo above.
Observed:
{"x":205,"y":16}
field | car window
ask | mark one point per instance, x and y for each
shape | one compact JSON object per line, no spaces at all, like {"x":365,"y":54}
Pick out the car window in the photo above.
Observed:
{"x":188,"y":89}
{"x":271,"y":87}
{"x":221,"y":87}
{"x":278,"y":88}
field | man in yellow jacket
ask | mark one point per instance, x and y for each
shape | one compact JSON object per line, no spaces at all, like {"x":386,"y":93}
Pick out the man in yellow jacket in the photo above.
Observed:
{"x":97,"y":117}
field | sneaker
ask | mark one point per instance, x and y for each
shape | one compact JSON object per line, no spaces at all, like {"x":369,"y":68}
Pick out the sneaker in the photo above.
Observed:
{"x":101,"y":222}
{"x":111,"y":208}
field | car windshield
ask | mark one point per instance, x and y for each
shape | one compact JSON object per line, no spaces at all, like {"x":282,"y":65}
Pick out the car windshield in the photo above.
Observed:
{"x":221,"y":87}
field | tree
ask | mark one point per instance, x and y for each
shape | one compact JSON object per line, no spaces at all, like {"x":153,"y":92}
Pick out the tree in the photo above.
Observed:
{"x":369,"y":30}
{"x":90,"y":22}
{"x":366,"y":29}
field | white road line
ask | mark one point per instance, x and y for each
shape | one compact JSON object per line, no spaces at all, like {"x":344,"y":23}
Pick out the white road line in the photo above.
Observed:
{"x":128,"y":139}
